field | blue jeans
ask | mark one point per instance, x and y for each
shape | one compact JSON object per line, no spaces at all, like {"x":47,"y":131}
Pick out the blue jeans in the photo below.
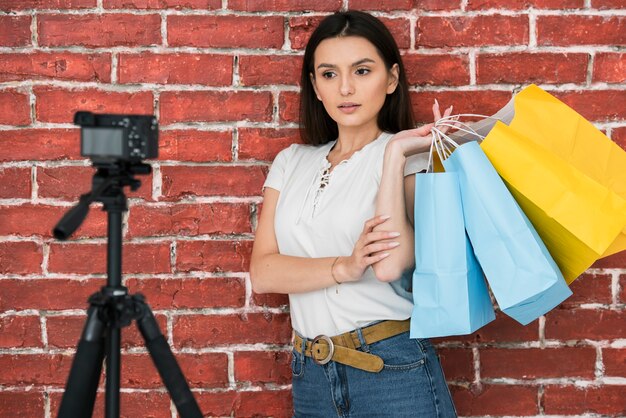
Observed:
{"x":411,"y":384}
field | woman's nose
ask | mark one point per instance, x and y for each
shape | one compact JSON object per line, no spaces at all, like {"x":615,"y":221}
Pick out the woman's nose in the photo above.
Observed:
{"x":346,"y":87}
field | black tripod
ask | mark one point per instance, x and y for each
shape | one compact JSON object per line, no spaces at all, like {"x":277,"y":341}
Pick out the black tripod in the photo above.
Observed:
{"x":113,"y":308}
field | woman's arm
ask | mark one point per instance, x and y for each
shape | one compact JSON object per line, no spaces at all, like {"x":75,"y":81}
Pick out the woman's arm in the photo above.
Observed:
{"x":272,"y":272}
{"x":396,"y":195}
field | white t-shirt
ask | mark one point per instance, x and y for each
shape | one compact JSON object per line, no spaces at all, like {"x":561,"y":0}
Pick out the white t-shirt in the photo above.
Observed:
{"x":313,"y":221}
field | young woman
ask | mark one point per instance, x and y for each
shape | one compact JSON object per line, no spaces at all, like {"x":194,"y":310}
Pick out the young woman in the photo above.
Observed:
{"x":335,"y":232}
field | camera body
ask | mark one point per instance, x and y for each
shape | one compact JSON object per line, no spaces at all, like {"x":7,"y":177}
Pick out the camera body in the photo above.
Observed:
{"x":109,"y":138}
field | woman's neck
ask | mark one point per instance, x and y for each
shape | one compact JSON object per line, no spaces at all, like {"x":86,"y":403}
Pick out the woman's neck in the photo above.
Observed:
{"x":351,"y":140}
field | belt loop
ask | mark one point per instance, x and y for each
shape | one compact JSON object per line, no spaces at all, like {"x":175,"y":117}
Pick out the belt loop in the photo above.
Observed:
{"x":303,"y":344}
{"x":364,"y":345}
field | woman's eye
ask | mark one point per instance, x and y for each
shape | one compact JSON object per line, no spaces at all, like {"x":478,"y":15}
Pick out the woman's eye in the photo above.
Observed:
{"x":362,"y":71}
{"x":328,"y":74}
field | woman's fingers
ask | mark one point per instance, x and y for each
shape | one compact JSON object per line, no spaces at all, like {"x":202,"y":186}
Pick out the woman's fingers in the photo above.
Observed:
{"x":374,"y":248}
{"x":372,"y":223}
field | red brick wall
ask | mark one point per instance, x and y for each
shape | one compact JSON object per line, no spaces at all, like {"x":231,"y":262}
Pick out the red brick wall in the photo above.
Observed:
{"x":222,"y":76}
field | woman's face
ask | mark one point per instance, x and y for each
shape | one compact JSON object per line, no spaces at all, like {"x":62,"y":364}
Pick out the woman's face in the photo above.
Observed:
{"x":351,"y":80}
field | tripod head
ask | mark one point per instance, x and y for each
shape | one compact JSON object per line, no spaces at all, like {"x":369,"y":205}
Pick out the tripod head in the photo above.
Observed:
{"x":107,"y":187}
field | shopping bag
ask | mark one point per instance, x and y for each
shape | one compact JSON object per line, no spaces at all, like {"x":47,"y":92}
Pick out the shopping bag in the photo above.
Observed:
{"x":449,"y":291}
{"x":523,"y":277}
{"x":566,"y":175}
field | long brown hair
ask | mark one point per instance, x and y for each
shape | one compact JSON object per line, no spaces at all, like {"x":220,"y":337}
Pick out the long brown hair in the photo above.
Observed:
{"x":316,"y":126}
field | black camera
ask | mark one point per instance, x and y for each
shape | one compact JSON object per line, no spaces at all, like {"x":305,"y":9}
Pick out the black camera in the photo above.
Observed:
{"x":108,"y":138}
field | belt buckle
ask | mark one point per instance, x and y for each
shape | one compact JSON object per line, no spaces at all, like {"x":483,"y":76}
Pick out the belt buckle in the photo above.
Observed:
{"x":331,"y":349}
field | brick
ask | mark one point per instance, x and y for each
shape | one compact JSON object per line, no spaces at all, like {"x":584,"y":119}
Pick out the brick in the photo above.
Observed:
{"x":34,"y":369}
{"x":259,"y":367}
{"x":55,"y":65}
{"x":533,"y":363}
{"x":99,"y":30}
{"x":275,"y":403}
{"x":581,"y":30}
{"x":6,"y":5}
{"x":448,"y":70}
{"x":488,"y":400}
{"x":614,"y":360}
{"x":28,"y":220}
{"x":531,"y":68}
{"x":215,"y":106}
{"x":15,"y":31}
{"x":163,"y":4}
{"x":132,"y":404}
{"x":503,"y":329}
{"x":68,"y":183}
{"x":20,"y":331}
{"x":213,"y":256}
{"x":47,"y":294}
{"x":14,"y":108}
{"x":390,"y":5}
{"x":181,"y":181}
{"x":22,"y":257}
{"x":196,"y":146}
{"x":270,"y":300}
{"x":592,"y":104}
{"x":581,"y":324}
{"x":609,"y":67}
{"x":571,"y":400}
{"x":255,"y":70}
{"x":590,"y":288}
{"x":434,"y":31}
{"x":483,"y":102}
{"x":524,"y":4}
{"x":205,"y":69}
{"x":29,"y":403}
{"x":189,"y":220}
{"x":617,"y":260}
{"x":401,"y":31}
{"x":219,"y":292}
{"x":263,"y":144}
{"x":91,"y":258}
{"x":58,"y":105}
{"x":39,"y":144}
{"x":300,"y":30}
{"x":207,"y":369}
{"x":607,"y":4}
{"x":225,"y":31}
{"x":15,"y":183}
{"x":285,"y":5}
{"x":252,"y":328}
{"x":289,"y":106}
{"x":457,"y":363}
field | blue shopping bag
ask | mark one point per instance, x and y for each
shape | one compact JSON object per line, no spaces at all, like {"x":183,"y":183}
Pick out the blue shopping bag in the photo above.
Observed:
{"x":449,"y":291}
{"x":523,"y":277}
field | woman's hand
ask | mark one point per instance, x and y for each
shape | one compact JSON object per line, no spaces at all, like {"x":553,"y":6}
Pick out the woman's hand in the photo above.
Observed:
{"x":415,"y":141}
{"x":371,"y":247}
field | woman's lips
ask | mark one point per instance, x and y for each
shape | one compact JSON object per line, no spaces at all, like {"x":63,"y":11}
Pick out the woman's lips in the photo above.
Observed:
{"x":348,"y":107}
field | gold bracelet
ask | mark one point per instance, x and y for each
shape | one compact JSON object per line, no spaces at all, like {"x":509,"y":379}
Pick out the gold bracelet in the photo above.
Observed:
{"x":332,"y":273}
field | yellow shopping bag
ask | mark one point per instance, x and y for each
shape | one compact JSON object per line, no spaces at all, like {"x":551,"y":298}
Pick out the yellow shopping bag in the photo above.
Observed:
{"x":567,"y":177}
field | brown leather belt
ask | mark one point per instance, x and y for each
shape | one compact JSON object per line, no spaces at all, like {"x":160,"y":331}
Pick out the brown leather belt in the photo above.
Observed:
{"x":343,"y":348}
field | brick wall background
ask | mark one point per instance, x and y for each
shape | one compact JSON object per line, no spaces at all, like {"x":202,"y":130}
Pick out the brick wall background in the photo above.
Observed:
{"x":222,"y":77}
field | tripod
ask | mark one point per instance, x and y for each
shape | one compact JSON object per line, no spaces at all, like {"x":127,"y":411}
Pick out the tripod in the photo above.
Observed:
{"x":113,"y":308}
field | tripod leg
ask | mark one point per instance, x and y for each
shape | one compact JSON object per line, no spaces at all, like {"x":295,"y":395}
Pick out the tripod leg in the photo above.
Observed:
{"x":82,"y":383}
{"x":166,"y":365}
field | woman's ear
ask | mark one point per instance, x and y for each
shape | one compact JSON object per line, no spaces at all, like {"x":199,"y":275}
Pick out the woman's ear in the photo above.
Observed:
{"x":394,"y":78}
{"x":312,"y":77}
